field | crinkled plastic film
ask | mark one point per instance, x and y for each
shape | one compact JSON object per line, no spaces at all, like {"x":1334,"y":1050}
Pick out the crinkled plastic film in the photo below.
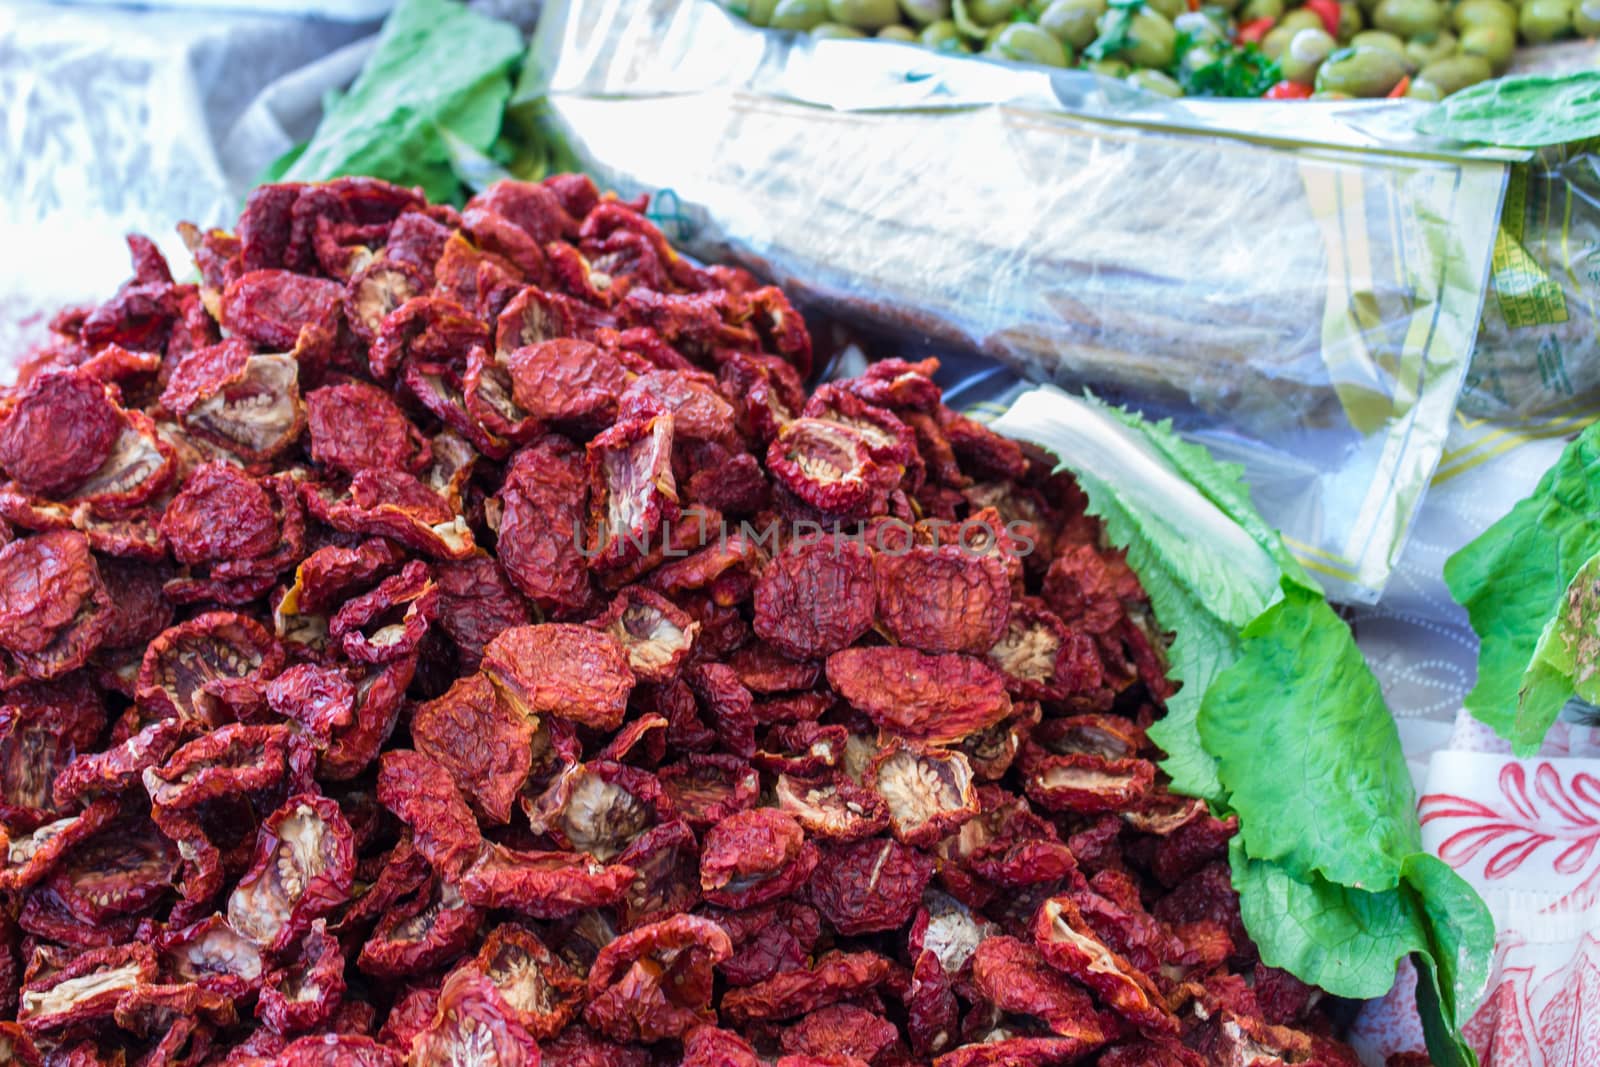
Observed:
{"x":1296,"y":284}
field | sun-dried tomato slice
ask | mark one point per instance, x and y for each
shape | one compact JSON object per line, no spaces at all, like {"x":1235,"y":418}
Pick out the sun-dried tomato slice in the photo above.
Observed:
{"x":543,"y":885}
{"x":944,"y":599}
{"x":835,"y":977}
{"x":543,"y":507}
{"x":60,"y":429}
{"x":435,"y":928}
{"x":389,"y":622}
{"x":538,"y":987}
{"x":86,"y":989}
{"x":562,"y":669}
{"x":815,"y":598}
{"x":571,"y":384}
{"x":213,"y":955}
{"x":220,"y":514}
{"x":754,"y":857}
{"x":828,"y":466}
{"x":393,"y":504}
{"x":28,"y":858}
{"x":41,"y":726}
{"x":698,"y":410}
{"x":1087,"y":783}
{"x":428,"y":330}
{"x":1013,"y":977}
{"x":422,"y":795}
{"x":655,"y":982}
{"x":17,"y":1047}
{"x":306,"y":992}
{"x":869,"y":885}
{"x":213,"y":668}
{"x":833,"y":807}
{"x":121,"y":870}
{"x":935,"y":699}
{"x":378,"y":288}
{"x":705,"y":789}
{"x":485,"y":745}
{"x":354,"y":426}
{"x":632,"y":491}
{"x":928,"y":794}
{"x":232,"y":397}
{"x":840,"y":1029}
{"x":303,"y":868}
{"x":56,"y":609}
{"x":763,"y":670}
{"x":1069,"y":944}
{"x":655,"y":633}
{"x":600,"y":807}
{"x":473,"y":1023}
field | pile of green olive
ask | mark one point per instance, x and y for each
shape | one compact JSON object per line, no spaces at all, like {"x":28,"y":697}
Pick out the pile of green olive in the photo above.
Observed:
{"x":1424,"y":49}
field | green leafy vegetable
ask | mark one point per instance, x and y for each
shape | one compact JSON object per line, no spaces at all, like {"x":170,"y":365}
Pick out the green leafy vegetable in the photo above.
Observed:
{"x":1512,"y":580}
{"x":1308,"y":752}
{"x":1117,"y":32}
{"x":1278,"y":719}
{"x":1527,"y":111}
{"x":439,"y":75}
{"x":1239,"y":72}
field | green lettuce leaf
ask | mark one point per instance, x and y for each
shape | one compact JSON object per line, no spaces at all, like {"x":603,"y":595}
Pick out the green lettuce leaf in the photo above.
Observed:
{"x":1512,"y":580}
{"x":1525,"y":111}
{"x":1308,"y":752}
{"x":437,"y":82}
{"x":1279,"y":720}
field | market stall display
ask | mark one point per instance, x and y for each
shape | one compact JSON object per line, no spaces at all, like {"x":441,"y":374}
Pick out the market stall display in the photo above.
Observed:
{"x":391,"y":670}
{"x":1319,"y":49}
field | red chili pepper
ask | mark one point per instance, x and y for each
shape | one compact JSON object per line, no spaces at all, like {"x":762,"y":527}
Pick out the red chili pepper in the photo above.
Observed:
{"x":1252,"y":32}
{"x":1328,"y":12}
{"x":1194,"y":5}
{"x":1288,"y":90}
{"x":1400,"y":88}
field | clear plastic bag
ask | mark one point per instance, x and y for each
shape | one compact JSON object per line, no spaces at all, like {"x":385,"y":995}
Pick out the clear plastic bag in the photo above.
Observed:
{"x":1296,"y":284}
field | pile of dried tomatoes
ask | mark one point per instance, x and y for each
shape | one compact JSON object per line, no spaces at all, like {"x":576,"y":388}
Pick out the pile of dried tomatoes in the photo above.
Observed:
{"x":450,"y":637}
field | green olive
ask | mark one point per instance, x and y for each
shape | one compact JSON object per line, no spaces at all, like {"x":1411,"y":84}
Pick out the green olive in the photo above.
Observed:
{"x":1470,"y":13}
{"x":1456,"y":73}
{"x":1110,"y":68}
{"x":1328,"y":94}
{"x":1073,"y":21}
{"x":1423,"y":89}
{"x":1409,"y":18}
{"x":799,"y":14}
{"x":1152,"y":42}
{"x":942,"y":36}
{"x":1170,"y":8}
{"x":836,"y":31}
{"x":1379,"y":39}
{"x":1023,"y":42}
{"x":989,"y":12}
{"x":1225,"y":6}
{"x":1360,"y":72}
{"x":1494,"y":43}
{"x":759,"y":12}
{"x":897,"y":32}
{"x":1544,"y":20}
{"x":1261,"y":9}
{"x":1351,"y":21}
{"x":869,"y":15}
{"x":1302,"y":18}
{"x":1276,"y":42}
{"x":1424,"y":50}
{"x":1155,"y":82}
{"x":1305,"y":54}
{"x":1199,"y":26}
{"x":1586,"y":18}
{"x":1201,"y":55}
{"x":925,"y":12}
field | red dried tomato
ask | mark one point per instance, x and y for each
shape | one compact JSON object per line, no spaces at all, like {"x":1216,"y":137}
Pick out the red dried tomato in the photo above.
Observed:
{"x":932,"y":699}
{"x":945,"y":599}
{"x":660,"y":627}
{"x":561,"y":669}
{"x":869,"y":885}
{"x":655,"y":982}
{"x":485,"y":745}
{"x":60,"y":429}
{"x":815,"y":598}
{"x":303,"y":869}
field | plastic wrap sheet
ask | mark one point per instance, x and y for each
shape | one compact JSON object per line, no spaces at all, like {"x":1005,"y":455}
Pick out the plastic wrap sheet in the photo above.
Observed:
{"x":111,"y":123}
{"x":1297,"y":284}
